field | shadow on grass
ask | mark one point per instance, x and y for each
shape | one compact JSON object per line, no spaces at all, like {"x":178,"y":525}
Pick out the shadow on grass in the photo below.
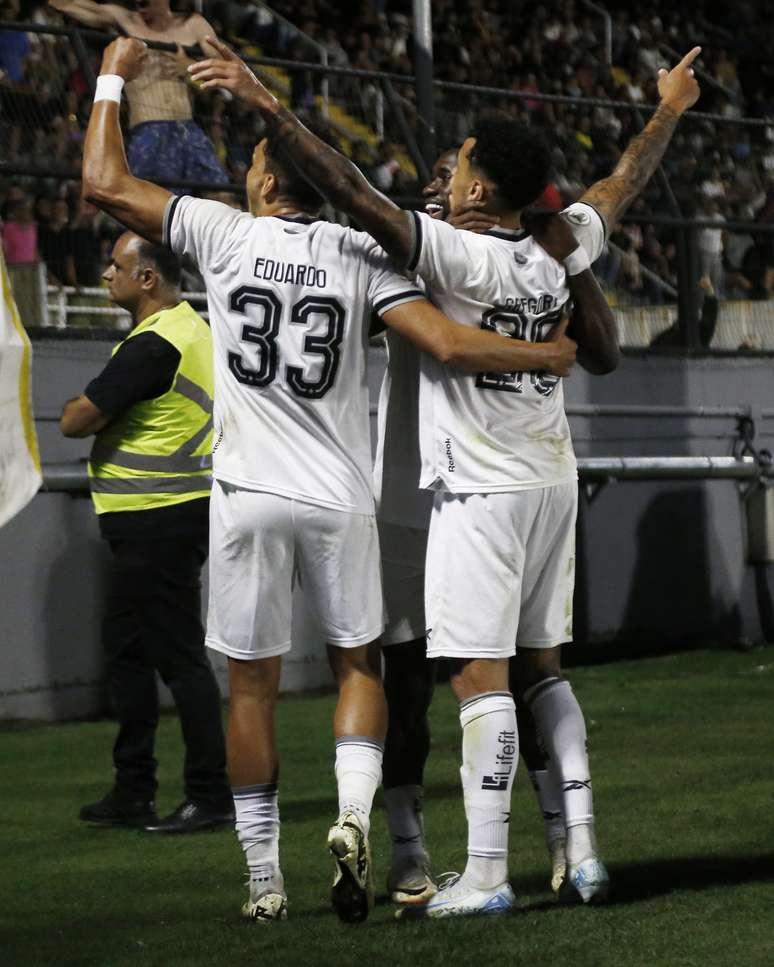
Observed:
{"x":636,"y":882}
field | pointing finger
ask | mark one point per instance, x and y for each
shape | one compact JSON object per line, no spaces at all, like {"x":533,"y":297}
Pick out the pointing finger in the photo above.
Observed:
{"x":690,"y":57}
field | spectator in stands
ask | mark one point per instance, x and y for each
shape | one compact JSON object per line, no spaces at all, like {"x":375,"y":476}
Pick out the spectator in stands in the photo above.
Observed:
{"x":20,"y":233}
{"x":88,"y":233}
{"x":56,"y":245}
{"x":166,"y":144}
{"x":676,"y":336}
{"x":387,"y":167}
{"x":14,"y":46}
{"x":710,"y":241}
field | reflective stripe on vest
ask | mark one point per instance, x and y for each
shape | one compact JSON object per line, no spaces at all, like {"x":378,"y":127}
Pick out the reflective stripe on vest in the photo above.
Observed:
{"x":150,"y":485}
{"x":189,"y":389}
{"x":175,"y":463}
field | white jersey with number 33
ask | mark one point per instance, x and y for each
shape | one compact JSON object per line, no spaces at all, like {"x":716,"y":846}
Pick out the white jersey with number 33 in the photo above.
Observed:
{"x":289,"y":302}
{"x":489,"y":432}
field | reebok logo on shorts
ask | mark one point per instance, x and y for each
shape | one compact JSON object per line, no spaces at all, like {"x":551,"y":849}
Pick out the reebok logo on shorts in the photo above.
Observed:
{"x":447,"y":449}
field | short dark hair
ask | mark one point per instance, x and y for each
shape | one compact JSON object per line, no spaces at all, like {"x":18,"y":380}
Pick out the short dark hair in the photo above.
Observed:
{"x":515,"y":157}
{"x":291,"y":183}
{"x":162,"y":259}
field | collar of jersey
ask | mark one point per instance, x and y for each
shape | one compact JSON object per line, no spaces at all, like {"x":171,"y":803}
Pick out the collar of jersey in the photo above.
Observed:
{"x":508,"y":234}
{"x":303,"y":219}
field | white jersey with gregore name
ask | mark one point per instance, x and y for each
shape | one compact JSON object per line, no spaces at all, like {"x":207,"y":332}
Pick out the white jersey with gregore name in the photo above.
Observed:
{"x":289,"y":303}
{"x":489,"y":432}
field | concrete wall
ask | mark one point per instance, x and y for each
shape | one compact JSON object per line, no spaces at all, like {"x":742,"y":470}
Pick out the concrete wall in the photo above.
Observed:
{"x":658,"y":562}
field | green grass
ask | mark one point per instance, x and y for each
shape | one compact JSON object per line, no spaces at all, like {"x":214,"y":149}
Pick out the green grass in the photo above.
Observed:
{"x":684,"y":788}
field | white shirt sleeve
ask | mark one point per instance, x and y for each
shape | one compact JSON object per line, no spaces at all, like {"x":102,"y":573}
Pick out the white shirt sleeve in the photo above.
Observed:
{"x":386,"y":288}
{"x":201,"y":229}
{"x":588,"y":226}
{"x":447,"y":258}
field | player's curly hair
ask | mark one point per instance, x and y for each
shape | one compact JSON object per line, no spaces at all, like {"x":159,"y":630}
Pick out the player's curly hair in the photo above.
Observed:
{"x":515,"y":157}
{"x":292,"y":184}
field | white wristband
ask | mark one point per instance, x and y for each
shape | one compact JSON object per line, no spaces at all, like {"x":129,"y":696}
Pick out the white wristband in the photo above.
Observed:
{"x":109,"y":87}
{"x":577,"y":261}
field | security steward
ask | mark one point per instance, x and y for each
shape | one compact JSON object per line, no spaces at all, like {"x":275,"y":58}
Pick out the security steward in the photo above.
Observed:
{"x":149,"y":472}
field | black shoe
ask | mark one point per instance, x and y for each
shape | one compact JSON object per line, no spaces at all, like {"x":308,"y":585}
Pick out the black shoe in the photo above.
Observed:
{"x":115,"y":810}
{"x":191,"y":816}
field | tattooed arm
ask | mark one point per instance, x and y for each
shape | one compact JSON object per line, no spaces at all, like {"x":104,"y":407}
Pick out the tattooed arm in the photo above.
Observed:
{"x":329,"y":171}
{"x":679,"y":91}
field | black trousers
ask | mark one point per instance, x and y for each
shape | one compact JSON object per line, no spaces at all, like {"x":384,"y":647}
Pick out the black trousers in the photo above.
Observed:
{"x":152,"y":623}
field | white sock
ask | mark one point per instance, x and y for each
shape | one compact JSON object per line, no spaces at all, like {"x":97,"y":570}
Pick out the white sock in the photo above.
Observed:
{"x":563,"y":730}
{"x":490,"y":752}
{"x":549,"y":797}
{"x":257,"y":829}
{"x":358,"y":774}
{"x":404,"y":817}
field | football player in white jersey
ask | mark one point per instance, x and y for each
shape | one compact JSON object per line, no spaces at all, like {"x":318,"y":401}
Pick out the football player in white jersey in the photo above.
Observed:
{"x":496,"y":450}
{"x":403,"y":516}
{"x":288,"y":298}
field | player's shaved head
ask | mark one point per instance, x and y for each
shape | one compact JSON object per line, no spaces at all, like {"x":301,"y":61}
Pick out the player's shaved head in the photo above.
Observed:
{"x":512,"y":158}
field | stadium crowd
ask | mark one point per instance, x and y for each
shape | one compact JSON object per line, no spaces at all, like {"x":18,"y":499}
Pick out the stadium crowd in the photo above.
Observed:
{"x":719,"y":171}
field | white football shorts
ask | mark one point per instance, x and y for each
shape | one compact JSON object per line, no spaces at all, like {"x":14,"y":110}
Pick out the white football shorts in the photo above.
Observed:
{"x":500,"y":571}
{"x":259,"y":543}
{"x":404,"y":550}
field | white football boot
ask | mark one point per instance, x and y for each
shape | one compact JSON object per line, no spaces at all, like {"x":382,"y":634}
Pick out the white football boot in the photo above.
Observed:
{"x":352,"y":893}
{"x":455,"y":898}
{"x":267,"y":900}
{"x":409,"y":880}
{"x":585,"y":882}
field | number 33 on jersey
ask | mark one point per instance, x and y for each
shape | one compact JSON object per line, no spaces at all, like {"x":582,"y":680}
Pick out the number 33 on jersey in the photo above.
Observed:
{"x":290,"y":301}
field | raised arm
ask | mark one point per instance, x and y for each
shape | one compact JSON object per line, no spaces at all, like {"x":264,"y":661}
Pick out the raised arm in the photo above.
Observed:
{"x":92,"y":14}
{"x":592,"y":323}
{"x":678,"y":90}
{"x":475,"y":350}
{"x":107,"y":181}
{"x":330,"y":172}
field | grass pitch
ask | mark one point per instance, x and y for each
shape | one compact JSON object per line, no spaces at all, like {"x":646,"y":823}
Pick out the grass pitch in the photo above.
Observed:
{"x":681,"y":752}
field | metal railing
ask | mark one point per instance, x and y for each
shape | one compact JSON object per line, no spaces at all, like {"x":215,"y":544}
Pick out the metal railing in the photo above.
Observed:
{"x":69,"y":477}
{"x":59,"y":307}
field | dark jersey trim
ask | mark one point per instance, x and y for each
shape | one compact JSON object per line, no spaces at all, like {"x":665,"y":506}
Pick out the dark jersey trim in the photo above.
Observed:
{"x":518,"y":236}
{"x":302,"y":218}
{"x":412,"y":263}
{"x":384,"y":304}
{"x":166,"y":233}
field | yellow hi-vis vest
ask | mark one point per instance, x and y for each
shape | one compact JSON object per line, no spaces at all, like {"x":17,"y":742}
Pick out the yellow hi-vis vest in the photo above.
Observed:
{"x":159,"y":452}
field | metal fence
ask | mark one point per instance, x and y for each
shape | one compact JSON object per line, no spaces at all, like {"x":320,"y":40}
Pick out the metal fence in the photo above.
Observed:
{"x":679,"y":272}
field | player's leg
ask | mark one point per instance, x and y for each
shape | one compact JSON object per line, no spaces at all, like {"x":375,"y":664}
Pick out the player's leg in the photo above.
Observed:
{"x":251,"y":566}
{"x":473,"y":613}
{"x":253,"y":766}
{"x":548,"y":791}
{"x":409,"y":679}
{"x":546,"y":622}
{"x":338,"y":560}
